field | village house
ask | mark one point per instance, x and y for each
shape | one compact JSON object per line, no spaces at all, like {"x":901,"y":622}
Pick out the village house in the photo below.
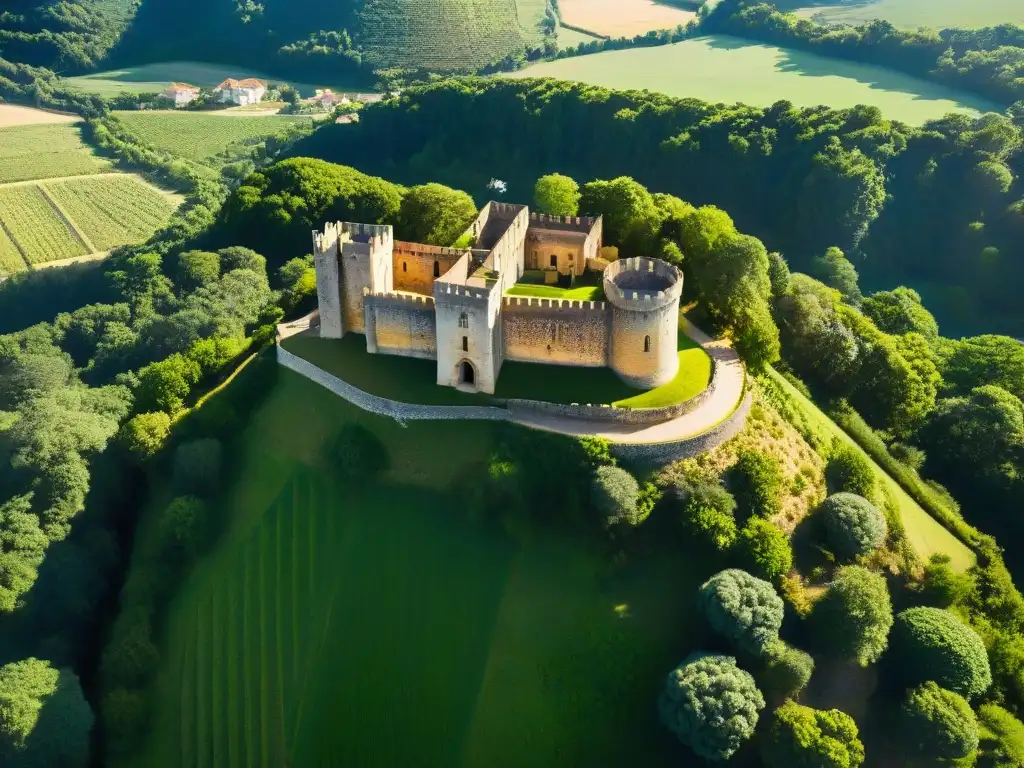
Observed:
{"x":327,"y":99}
{"x":241,"y":92}
{"x":180,"y":93}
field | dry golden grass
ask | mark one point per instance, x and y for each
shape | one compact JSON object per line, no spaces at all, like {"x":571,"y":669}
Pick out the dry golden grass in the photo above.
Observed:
{"x":766,"y":432}
{"x":12,"y":115}
{"x":621,"y":18}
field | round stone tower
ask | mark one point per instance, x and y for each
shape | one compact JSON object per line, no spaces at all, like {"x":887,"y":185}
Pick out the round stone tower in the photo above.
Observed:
{"x":643,"y":345}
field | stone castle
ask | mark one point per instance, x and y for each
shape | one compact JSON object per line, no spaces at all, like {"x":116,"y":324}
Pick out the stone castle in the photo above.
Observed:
{"x":450,"y":304}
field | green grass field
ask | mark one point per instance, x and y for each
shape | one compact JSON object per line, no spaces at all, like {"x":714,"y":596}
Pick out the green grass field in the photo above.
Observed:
{"x":45,"y":151}
{"x":35,"y":227}
{"x":153,"y":78}
{"x":911,"y":14}
{"x":925,"y":533}
{"x":412,"y":380}
{"x":378,"y":626}
{"x":199,"y":136}
{"x":726,"y":69}
{"x":113,"y":210}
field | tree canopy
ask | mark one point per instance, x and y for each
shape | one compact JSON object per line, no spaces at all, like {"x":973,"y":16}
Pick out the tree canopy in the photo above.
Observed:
{"x":938,"y":724}
{"x":854,"y":526}
{"x":933,"y":644}
{"x":854,"y":616}
{"x":557,"y":194}
{"x":801,"y":737}
{"x":743,"y":608}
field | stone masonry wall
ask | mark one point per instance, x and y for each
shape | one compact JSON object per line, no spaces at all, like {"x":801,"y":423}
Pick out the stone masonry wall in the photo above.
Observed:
{"x":557,"y":331}
{"x":399,"y":324}
{"x":566,"y":247}
{"x":413,"y":266}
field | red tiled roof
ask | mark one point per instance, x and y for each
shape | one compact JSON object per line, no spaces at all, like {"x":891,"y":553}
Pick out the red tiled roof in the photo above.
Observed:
{"x":182,"y":87}
{"x":249,"y":82}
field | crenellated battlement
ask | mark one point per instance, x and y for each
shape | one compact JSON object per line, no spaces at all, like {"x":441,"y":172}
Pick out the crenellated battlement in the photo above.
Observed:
{"x":535,"y":302}
{"x":394,"y":297}
{"x":549,"y":221}
{"x":505,"y":210}
{"x":642,"y":284}
{"x":420,"y":249}
{"x":463,"y":291}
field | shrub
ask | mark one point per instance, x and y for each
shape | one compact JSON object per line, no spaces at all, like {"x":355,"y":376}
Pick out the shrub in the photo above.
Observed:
{"x":646,"y":501}
{"x":933,"y":644}
{"x":910,"y":455}
{"x":597,"y":451}
{"x":848,"y":470}
{"x":355,"y":453}
{"x":184,"y":527}
{"x":125,"y":718}
{"x":853,"y":525}
{"x":942,"y":586}
{"x":757,"y":482}
{"x":765,"y":548}
{"x":854,"y":616}
{"x":744,"y":608}
{"x":795,"y":593}
{"x":615,"y":492}
{"x":197,"y":467}
{"x":707,"y":511}
{"x":145,"y":434}
{"x":787,"y":670}
{"x":938,"y":724}
{"x":711,"y":705}
{"x":801,"y":736}
{"x":1002,"y":738}
{"x":131,"y":656}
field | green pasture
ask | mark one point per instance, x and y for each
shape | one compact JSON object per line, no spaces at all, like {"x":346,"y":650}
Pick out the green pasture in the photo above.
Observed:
{"x":911,"y":14}
{"x":413,"y":380}
{"x":925,"y":533}
{"x":153,"y":78}
{"x":720,"y":68}
{"x":587,"y":287}
{"x":376,"y":625}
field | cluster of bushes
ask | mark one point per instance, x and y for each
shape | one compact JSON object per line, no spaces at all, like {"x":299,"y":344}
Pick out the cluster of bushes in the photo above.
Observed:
{"x":989,"y":62}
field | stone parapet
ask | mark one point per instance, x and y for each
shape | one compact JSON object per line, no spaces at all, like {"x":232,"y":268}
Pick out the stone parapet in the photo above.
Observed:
{"x":392,"y":297}
{"x":526,"y":302}
{"x":549,"y":221}
{"x":641,"y":284}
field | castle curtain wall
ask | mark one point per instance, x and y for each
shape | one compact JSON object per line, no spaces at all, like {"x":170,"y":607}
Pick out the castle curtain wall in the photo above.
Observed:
{"x":555,"y":331}
{"x":398,"y":324}
{"x":413,"y":266}
{"x":567,"y":248}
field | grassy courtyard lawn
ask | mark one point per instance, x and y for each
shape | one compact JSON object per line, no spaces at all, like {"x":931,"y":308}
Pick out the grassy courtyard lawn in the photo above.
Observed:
{"x":588,"y":287}
{"x":719,"y":68}
{"x":412,"y":380}
{"x":924,"y":532}
{"x":376,"y":625}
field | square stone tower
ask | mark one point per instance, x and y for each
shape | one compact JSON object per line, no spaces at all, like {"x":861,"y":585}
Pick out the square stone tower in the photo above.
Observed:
{"x":349,"y":259}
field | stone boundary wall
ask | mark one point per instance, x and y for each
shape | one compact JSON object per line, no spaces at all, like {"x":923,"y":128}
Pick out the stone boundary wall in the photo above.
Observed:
{"x":381,"y":405}
{"x":538,"y":303}
{"x":660,"y":454}
{"x":609,"y":413}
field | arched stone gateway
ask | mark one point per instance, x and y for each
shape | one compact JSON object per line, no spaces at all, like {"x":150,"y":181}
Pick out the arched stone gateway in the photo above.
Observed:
{"x":467,"y":374}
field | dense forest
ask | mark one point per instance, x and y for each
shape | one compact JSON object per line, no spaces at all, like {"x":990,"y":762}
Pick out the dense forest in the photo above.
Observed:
{"x":938,"y":208}
{"x":987,"y":61}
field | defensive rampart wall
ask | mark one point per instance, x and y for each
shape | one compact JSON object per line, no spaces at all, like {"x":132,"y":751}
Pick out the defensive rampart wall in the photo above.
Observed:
{"x":555,"y":331}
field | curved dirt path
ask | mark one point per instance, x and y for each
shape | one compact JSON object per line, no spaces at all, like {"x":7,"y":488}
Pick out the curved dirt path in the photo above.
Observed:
{"x":725,"y":398}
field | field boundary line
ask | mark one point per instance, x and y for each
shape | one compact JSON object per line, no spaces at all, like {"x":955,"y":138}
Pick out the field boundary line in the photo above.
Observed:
{"x":89,"y":247}
{"x":51,"y":179}
{"x":583,"y":31}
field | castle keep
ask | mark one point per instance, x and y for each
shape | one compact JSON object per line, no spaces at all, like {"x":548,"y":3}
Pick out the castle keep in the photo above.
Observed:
{"x":450,"y":304}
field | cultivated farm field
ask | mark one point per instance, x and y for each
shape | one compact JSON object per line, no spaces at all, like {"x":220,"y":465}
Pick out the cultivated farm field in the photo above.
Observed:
{"x":12,"y":115}
{"x":911,"y":14}
{"x":113,"y":210}
{"x":46,"y":151}
{"x":379,"y":625}
{"x":10,"y":257}
{"x":622,"y":18}
{"x":719,"y":68}
{"x":201,"y":136}
{"x":38,"y":230}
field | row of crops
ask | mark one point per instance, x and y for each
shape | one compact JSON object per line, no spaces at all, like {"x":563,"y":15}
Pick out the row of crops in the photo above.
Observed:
{"x":112,"y":210}
{"x":198,"y":136}
{"x":442,"y":34}
{"x":30,"y":152}
{"x":59,"y":220}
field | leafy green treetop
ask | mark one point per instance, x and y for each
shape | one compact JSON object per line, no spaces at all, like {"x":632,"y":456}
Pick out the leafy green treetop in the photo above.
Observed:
{"x":938,"y":724}
{"x":744,"y":608}
{"x":557,"y":194}
{"x":802,"y":737}
{"x":854,"y":616}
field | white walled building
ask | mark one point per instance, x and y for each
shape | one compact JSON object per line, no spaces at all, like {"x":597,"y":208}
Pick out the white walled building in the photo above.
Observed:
{"x":241,"y":92}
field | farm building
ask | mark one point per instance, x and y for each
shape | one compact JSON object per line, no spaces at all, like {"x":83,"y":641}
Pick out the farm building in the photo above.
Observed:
{"x":241,"y":92}
{"x":181,"y":94}
{"x":327,"y":99}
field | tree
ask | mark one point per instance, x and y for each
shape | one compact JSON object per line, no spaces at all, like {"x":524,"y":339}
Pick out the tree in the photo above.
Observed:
{"x":197,"y":268}
{"x":145,"y":433}
{"x":197,"y":466}
{"x":854,"y":616}
{"x":757,"y":481}
{"x":434,"y":214}
{"x":981,"y":361}
{"x":849,"y":471}
{"x":938,"y":724}
{"x":630,"y":216}
{"x":744,"y":608}
{"x":787,"y":670}
{"x":709,"y":511}
{"x":557,"y":194}
{"x":164,"y":385}
{"x":854,"y":526}
{"x":900,"y":311}
{"x":183,"y":528}
{"x":933,"y":644}
{"x":836,"y":271}
{"x":44,"y":717}
{"x":801,"y":737}
{"x":711,"y":705}
{"x":765,"y":548}
{"x":943,"y":587}
{"x":614,"y":493}
{"x":778,"y":274}
{"x":237,"y":257}
{"x":356,"y":453}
